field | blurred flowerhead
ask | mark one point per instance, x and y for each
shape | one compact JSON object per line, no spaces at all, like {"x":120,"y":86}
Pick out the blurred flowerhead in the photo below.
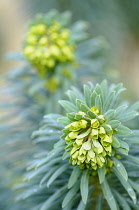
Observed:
{"x":46,"y":44}
{"x":51,"y":46}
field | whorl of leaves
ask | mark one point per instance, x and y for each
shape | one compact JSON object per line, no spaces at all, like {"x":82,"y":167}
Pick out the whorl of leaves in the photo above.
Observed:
{"x":71,"y":187}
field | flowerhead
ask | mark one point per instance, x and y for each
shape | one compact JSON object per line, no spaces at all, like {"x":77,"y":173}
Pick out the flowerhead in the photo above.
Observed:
{"x":48,"y":43}
{"x":89,"y":139}
{"x":93,"y":131}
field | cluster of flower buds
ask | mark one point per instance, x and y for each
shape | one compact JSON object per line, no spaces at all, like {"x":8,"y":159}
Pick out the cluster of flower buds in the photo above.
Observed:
{"x":89,"y":141}
{"x":46,"y":45}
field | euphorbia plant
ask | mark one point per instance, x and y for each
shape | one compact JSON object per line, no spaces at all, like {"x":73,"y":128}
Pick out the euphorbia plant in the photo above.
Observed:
{"x":91,"y":159}
{"x":53,"y":50}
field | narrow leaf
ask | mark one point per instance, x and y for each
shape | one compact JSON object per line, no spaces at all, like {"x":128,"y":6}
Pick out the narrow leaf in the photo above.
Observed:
{"x":134,"y":185}
{"x":71,"y":193}
{"x":98,"y":89}
{"x":65,"y":155}
{"x":84,"y":108}
{"x":93,"y":96}
{"x":72,"y":96}
{"x":81,"y":206}
{"x":71,"y":116}
{"x":99,"y":202}
{"x":124,"y":145}
{"x":115,"y":142}
{"x":108,"y":195}
{"x":64,"y":120}
{"x":114,"y":123}
{"x":122,"y":151}
{"x":56,"y":151}
{"x":101,"y":174}
{"x":134,"y":159}
{"x":52,"y":198}
{"x":47,"y":175}
{"x":120,"y":110}
{"x":91,"y":114}
{"x":84,"y":185}
{"x":74,"y":176}
{"x":135,"y":106}
{"x":98,"y":103}
{"x":78,"y":104}
{"x":120,"y":168}
{"x":128,"y":116}
{"x":122,"y":201}
{"x":104,"y":89}
{"x":87,"y":94}
{"x":68,"y":106}
{"x":108,"y":102}
{"x":57,"y":174}
{"x":123,"y":130}
{"x":125,"y":184}
{"x":109,"y":114}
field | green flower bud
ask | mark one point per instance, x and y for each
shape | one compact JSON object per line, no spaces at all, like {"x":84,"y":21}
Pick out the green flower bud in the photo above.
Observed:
{"x":31,"y":39}
{"x":99,"y":162}
{"x":94,"y":123}
{"x":73,"y":135}
{"x":68,"y":140}
{"x":56,"y":26}
{"x":39,"y":29}
{"x":74,"y":149}
{"x":108,"y":150}
{"x":86,"y":145}
{"x":74,"y":162}
{"x":109,"y":163}
{"x":75,"y":155}
{"x":74,"y":126}
{"x":54,"y":50}
{"x":82,"y":158}
{"x":79,"y":141}
{"x":65,"y":34}
{"x":107,"y":140}
{"x":81,"y":113}
{"x":82,"y":123}
{"x":102,"y":132}
{"x":98,"y":150}
{"x":82,"y":151}
{"x":110,"y":129}
{"x":60,"y":43}
{"x":28,"y":50}
{"x":43,"y":41}
{"x":95,"y":110}
{"x":94,"y":133}
{"x":91,"y":153}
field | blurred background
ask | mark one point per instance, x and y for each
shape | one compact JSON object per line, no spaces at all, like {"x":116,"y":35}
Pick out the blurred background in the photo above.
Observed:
{"x":116,"y":20}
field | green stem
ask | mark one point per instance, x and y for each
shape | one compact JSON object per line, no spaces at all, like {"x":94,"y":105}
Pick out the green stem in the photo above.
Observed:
{"x":94,"y":181}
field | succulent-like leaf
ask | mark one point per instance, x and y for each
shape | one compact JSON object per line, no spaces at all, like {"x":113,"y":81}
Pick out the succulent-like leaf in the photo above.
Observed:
{"x":108,"y":195}
{"x":74,"y":176}
{"x":84,"y":185}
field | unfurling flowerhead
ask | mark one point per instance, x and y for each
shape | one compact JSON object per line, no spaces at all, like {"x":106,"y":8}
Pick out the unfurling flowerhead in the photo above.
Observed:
{"x":94,"y":130}
{"x":90,"y":139}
